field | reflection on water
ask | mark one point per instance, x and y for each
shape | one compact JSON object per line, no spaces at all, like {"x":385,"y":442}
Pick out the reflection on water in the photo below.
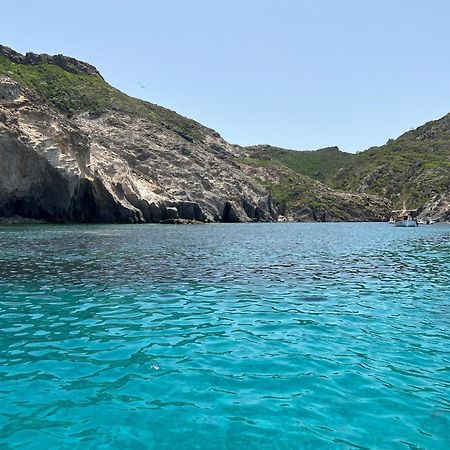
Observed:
{"x":224,"y":336}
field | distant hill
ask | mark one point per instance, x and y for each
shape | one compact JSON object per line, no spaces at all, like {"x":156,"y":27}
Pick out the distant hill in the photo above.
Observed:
{"x":413,"y":168}
{"x":320,"y":165}
{"x":294,"y":179}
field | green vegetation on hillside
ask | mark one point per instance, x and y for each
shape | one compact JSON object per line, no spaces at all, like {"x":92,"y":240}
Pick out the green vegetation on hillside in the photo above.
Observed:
{"x":297,"y":192}
{"x":76,"y":92}
{"x":301,"y":170}
{"x":286,"y":186}
{"x":411,"y":169}
{"x":319,"y":165}
{"x":401,"y":170}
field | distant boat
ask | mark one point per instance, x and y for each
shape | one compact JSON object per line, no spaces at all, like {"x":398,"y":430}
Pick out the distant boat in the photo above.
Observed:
{"x":427,"y":221}
{"x":407,"y":222}
{"x":403,"y":218}
{"x":391,"y":220}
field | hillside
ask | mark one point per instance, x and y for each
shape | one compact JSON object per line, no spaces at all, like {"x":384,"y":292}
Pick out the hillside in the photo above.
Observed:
{"x":295,"y":180}
{"x":72,"y":87}
{"x":75,"y":149}
{"x":320,"y":165}
{"x":301,"y":198}
{"x":414,"y":168}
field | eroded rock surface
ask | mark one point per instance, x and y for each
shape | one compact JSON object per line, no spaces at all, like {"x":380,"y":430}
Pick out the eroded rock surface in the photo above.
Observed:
{"x":438,"y":209}
{"x":116,"y":168}
{"x":299,"y":198}
{"x":75,"y":149}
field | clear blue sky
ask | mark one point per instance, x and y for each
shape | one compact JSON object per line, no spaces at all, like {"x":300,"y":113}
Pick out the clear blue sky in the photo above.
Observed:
{"x":292,"y":73}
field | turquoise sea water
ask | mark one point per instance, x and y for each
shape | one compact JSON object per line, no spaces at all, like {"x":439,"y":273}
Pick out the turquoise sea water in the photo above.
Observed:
{"x":265,"y":336}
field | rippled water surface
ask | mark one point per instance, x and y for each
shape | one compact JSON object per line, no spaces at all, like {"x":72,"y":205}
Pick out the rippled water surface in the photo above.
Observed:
{"x":269,"y":336}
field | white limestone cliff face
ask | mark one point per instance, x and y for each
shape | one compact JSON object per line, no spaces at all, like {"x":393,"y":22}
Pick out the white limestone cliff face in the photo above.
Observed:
{"x":115,"y":168}
{"x":437,"y":209}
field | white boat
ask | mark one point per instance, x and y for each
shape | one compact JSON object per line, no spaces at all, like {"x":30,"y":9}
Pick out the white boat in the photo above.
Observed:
{"x":403,"y":218}
{"x":409,"y":222}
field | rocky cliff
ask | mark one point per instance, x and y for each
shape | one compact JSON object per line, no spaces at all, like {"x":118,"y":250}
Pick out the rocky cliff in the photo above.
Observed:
{"x":74,"y":149}
{"x":300,"y":198}
{"x":413,"y":169}
{"x":438,"y":208}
